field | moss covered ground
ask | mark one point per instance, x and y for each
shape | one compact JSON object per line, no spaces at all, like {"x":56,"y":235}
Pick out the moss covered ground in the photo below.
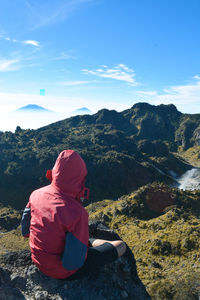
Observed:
{"x":10,"y":230}
{"x":166,"y":244}
{"x":166,"y":247}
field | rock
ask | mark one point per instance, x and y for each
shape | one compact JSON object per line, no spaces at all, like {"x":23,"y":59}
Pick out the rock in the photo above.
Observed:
{"x":158,"y":199}
{"x":41,"y":295}
{"x":9,"y":293}
{"x":188,"y":244}
{"x":124,"y":294}
{"x":4,"y":277}
{"x":6,"y":290}
{"x":163,"y":248}
{"x":20,"y":278}
{"x":17,"y":280}
{"x":155,"y":264}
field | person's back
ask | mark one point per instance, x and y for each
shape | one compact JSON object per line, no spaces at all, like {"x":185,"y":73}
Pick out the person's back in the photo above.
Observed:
{"x":56,"y":212}
{"x":57,"y":224}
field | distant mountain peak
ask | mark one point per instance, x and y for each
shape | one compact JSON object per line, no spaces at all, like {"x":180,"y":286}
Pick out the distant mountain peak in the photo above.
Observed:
{"x":32,"y":108}
{"x":82,"y":110}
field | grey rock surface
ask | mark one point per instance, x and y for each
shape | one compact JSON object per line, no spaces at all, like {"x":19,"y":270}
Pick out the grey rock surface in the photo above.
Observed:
{"x":20,"y":278}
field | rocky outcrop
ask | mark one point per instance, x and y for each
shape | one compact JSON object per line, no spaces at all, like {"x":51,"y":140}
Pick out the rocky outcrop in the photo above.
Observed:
{"x":20,"y":279}
{"x":196,"y":136}
{"x":158,"y":200}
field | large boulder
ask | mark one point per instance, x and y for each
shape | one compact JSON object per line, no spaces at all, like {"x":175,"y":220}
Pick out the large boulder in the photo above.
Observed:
{"x":20,"y":278}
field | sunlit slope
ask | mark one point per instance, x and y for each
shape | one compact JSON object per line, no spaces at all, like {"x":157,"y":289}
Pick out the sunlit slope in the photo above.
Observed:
{"x":166,"y":245}
{"x":160,"y":224}
{"x":192,"y":155}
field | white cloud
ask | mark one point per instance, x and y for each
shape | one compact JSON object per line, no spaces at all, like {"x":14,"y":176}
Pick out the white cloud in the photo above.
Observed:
{"x":197,"y":77}
{"x":73,"y":83}
{"x":120,"y":72}
{"x":32,"y":42}
{"x":9,"y":65}
{"x":28,"y":42}
{"x":185,"y":97}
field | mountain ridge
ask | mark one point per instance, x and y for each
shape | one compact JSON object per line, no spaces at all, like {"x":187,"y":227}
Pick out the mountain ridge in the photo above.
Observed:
{"x":82,"y":110}
{"x":133,"y":159}
{"x":122,"y":150}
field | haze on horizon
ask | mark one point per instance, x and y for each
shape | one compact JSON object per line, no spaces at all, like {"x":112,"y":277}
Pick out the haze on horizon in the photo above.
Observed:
{"x":98,"y":54}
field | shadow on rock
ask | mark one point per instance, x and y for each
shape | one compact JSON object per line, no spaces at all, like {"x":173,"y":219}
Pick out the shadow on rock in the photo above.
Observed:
{"x":116,"y":281}
{"x":7,"y":290}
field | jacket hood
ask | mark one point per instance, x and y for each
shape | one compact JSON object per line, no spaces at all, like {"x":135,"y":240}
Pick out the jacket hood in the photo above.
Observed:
{"x":69,"y":172}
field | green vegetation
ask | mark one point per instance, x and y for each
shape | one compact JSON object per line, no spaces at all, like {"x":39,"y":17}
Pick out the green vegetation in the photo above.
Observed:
{"x":130,"y":157}
{"x":10,"y":230}
{"x":9,"y":218}
{"x":192,"y":155}
{"x":13,"y":241}
{"x":123,"y":151}
{"x":166,"y":245}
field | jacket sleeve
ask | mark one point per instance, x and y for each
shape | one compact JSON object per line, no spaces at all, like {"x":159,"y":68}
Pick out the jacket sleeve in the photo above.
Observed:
{"x":76,"y":244}
{"x":25,"y":222}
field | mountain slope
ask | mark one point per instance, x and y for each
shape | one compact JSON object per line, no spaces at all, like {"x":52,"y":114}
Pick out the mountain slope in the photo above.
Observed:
{"x":123,"y":151}
{"x":165,"y":244}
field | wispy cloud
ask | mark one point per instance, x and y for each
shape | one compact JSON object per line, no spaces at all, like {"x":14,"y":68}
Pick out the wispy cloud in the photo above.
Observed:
{"x":7,"y":38}
{"x":63,"y":56}
{"x":120,"y":72}
{"x":17,"y":60}
{"x":32,"y":42}
{"x":73,"y":83}
{"x":52,"y":12}
{"x":9,"y":65}
{"x":26,"y":42}
{"x":185,"y":97}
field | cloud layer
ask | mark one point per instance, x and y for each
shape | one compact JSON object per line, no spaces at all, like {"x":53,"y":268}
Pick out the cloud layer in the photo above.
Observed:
{"x":185,"y":97}
{"x":120,"y":72}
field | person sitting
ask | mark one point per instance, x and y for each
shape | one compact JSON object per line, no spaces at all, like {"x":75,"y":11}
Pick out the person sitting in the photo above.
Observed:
{"x":57,"y":224}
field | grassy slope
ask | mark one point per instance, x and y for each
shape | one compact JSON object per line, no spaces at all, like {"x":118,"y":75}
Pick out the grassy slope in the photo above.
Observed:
{"x":166,"y":248}
{"x":10,"y":231}
{"x":165,"y":245}
{"x":192,"y":155}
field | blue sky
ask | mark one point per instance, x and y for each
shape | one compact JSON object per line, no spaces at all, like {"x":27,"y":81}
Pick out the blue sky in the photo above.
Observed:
{"x":99,"y":53}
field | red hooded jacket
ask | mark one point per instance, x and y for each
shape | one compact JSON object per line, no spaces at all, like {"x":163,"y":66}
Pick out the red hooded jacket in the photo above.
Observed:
{"x":55,"y":220}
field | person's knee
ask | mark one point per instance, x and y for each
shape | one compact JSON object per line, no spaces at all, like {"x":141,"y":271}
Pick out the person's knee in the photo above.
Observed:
{"x":118,"y":244}
{"x":120,"y":247}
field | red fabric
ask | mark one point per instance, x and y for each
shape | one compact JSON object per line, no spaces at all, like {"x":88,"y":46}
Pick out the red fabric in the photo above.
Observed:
{"x":49,"y":175}
{"x":55,"y":210}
